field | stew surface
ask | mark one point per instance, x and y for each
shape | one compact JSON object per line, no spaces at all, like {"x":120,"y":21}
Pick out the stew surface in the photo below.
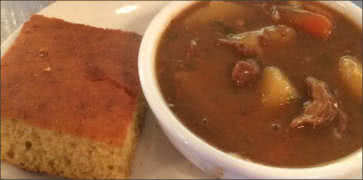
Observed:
{"x":277,"y":83}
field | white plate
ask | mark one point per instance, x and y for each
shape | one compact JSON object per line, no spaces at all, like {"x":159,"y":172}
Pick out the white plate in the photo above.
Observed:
{"x":155,"y":156}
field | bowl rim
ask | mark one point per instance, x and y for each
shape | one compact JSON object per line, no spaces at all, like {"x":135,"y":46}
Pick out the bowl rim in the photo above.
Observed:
{"x":175,"y":130}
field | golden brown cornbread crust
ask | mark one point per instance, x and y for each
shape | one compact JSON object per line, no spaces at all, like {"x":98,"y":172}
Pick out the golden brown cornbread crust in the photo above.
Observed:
{"x":71,"y":103}
{"x":85,"y":78}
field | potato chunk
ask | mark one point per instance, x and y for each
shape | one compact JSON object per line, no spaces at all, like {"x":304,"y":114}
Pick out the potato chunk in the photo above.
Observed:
{"x":216,"y":10}
{"x":276,"y":88}
{"x":351,"y":73}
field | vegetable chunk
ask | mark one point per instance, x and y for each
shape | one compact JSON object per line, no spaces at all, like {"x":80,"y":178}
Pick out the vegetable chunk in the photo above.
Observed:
{"x":351,"y":73}
{"x":216,"y":10}
{"x":276,"y":88}
{"x":315,"y":24}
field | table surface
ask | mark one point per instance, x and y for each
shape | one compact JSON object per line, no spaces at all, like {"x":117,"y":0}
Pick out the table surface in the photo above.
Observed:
{"x":15,"y":13}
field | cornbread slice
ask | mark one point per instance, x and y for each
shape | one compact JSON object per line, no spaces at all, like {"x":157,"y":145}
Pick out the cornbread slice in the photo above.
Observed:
{"x":71,"y":103}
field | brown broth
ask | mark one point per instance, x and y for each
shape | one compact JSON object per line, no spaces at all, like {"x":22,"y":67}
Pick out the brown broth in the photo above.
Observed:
{"x":198,"y":87}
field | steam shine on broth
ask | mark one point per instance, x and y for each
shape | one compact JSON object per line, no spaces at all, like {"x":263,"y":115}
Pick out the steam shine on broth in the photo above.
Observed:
{"x":274,"y":82}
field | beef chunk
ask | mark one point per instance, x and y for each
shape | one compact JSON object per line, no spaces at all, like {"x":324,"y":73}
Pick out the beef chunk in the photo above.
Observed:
{"x":251,"y":43}
{"x":245,"y":72}
{"x":277,"y":36}
{"x":247,"y":44}
{"x":322,"y":110}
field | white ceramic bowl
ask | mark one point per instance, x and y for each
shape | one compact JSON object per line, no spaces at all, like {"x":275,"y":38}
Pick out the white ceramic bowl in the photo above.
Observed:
{"x":209,"y":159}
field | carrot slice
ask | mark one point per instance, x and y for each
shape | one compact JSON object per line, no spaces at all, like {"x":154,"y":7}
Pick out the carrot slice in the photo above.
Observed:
{"x":315,"y":24}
